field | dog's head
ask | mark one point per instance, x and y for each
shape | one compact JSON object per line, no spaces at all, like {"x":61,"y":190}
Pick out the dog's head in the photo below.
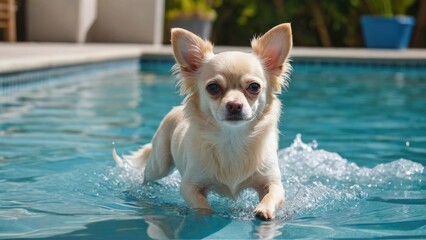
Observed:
{"x":233,"y":87}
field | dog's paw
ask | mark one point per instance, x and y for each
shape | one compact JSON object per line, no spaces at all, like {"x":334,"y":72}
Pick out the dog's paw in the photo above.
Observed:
{"x":263,"y":212}
{"x":204,"y":211}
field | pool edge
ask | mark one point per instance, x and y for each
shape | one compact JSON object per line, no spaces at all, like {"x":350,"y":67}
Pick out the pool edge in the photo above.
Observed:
{"x":32,"y":56}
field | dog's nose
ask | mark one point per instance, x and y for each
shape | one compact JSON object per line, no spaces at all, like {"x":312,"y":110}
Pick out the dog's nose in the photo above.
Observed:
{"x":234,"y":107}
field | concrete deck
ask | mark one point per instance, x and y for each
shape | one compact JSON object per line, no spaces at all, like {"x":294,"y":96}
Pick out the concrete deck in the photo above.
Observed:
{"x":29,"y":56}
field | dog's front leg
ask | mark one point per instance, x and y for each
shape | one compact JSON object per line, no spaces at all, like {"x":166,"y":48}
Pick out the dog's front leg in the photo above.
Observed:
{"x":272,"y":196}
{"x":195,"y":196}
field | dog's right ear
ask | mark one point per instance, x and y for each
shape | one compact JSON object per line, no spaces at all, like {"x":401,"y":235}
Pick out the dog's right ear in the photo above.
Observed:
{"x":190,"y":51}
{"x":274,"y":48}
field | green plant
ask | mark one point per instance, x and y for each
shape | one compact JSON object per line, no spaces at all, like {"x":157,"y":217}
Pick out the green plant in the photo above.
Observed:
{"x":201,"y":9}
{"x":386,"y":8}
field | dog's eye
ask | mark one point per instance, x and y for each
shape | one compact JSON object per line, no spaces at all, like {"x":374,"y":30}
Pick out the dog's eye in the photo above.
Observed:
{"x":254,"y":88}
{"x":213,"y":88}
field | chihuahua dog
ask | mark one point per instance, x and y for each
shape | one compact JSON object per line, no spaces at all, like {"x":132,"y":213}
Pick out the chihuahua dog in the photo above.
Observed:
{"x":224,"y":137}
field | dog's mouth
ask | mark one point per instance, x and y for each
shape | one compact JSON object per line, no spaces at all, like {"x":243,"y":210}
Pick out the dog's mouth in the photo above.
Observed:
{"x":236,"y":118}
{"x":233,"y":118}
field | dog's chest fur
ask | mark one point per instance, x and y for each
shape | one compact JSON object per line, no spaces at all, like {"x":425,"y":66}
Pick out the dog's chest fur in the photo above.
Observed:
{"x":229,"y":158}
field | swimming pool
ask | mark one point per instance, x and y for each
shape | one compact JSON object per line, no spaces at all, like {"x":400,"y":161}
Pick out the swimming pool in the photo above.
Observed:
{"x":353,"y":142}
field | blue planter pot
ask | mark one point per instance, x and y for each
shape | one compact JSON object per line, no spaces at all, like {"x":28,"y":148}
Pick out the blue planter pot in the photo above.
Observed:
{"x":387,"y":32}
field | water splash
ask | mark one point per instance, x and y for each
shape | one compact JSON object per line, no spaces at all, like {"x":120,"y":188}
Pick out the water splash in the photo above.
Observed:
{"x":308,"y":164}
{"x":315,"y":180}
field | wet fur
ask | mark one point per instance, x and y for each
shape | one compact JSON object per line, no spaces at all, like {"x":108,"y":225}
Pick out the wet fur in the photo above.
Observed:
{"x":210,"y":153}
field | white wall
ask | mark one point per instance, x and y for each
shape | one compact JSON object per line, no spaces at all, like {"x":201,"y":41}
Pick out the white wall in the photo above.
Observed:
{"x":124,"y":21}
{"x":128,"y":21}
{"x":59,"y":20}
{"x":87,"y":16}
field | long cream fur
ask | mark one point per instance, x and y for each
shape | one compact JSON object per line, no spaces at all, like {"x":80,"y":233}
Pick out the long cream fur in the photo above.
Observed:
{"x":211,"y":152}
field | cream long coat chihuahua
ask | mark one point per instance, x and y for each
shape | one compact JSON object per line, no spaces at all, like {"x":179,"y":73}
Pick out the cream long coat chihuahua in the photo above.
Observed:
{"x":225,"y":136}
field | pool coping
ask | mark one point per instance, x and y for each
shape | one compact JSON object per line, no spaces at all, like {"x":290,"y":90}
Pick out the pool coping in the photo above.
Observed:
{"x":33,"y":56}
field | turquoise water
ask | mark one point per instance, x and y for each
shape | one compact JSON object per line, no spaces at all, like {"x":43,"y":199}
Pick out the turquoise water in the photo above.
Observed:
{"x":353,"y":151}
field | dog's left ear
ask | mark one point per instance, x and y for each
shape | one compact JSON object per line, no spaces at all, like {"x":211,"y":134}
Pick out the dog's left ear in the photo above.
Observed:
{"x":273,"y":48}
{"x":189,"y":50}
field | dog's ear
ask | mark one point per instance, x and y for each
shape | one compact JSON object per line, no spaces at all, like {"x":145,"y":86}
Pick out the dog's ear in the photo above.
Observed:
{"x":273,"y":48}
{"x":189,"y":50}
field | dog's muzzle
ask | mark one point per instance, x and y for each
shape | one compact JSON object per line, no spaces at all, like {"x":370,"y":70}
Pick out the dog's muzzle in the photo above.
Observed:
{"x":234,"y":111}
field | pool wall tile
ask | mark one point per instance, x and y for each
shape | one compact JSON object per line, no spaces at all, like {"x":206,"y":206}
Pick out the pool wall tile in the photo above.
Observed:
{"x":164,"y":63}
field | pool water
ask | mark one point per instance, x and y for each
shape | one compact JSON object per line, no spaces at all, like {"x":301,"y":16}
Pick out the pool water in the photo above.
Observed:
{"x":353,"y":151}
